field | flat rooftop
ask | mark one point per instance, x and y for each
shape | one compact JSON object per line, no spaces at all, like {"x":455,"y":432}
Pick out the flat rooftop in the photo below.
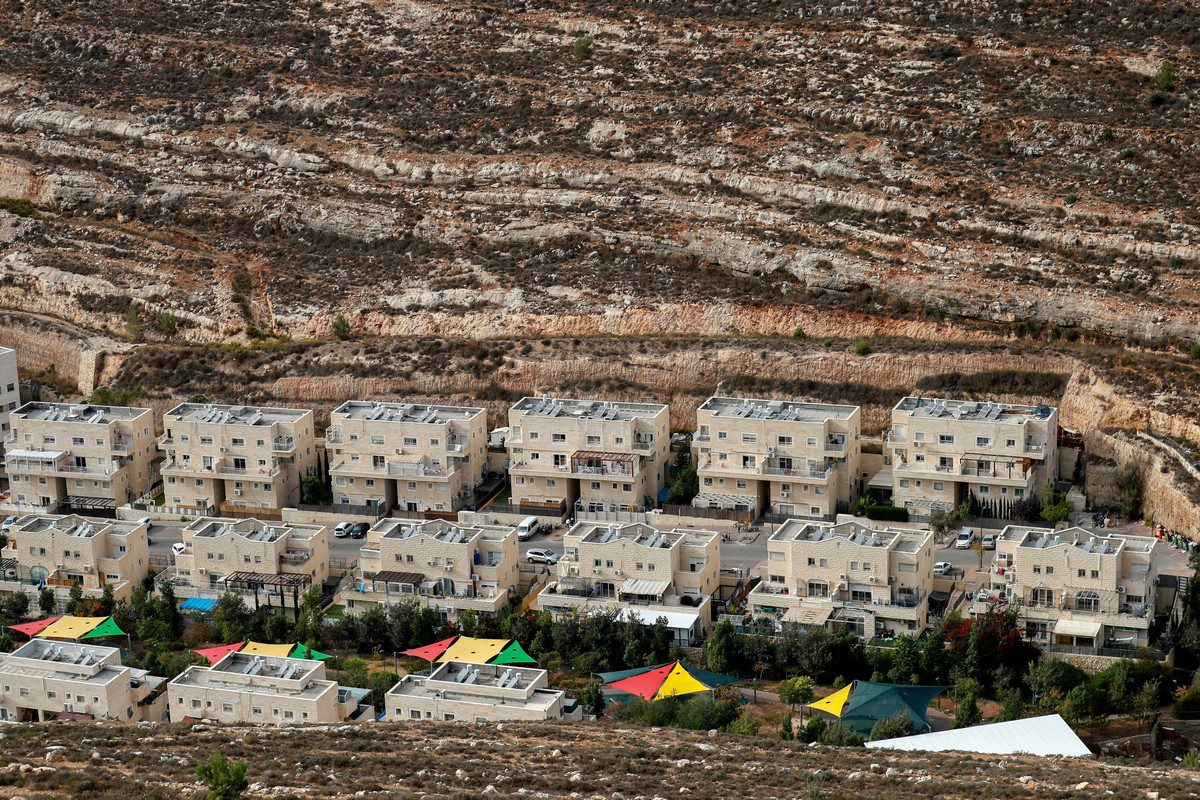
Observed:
{"x":73,"y":525}
{"x":798,"y":530}
{"x":235,"y":415}
{"x":974,"y":410}
{"x":83,"y":413}
{"x":587,"y":409}
{"x":782,"y":410}
{"x":406,"y":412}
{"x":270,"y":667}
{"x":56,"y":652}
{"x":253,"y":529}
{"x":638,"y":533}
{"x":1081,"y":538}
{"x":440,"y":529}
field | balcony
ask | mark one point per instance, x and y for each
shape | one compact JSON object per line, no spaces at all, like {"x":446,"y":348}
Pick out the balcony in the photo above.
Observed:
{"x":835,"y":445}
{"x":283,"y":444}
{"x":456,"y":444}
{"x":122,"y":444}
{"x":295,"y":557}
{"x":640,"y":445}
{"x":333,"y":435}
{"x":260,"y":472}
{"x":800,"y":472}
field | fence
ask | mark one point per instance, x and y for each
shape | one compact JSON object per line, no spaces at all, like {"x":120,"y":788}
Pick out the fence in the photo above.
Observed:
{"x":732,"y":514}
{"x":246,"y":512}
{"x":583,"y":514}
{"x":1107,"y":652}
{"x":346,"y":509}
{"x":525,"y":510}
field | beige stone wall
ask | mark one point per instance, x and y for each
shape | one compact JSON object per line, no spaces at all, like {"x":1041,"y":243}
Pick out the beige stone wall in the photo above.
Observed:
{"x":237,"y":704}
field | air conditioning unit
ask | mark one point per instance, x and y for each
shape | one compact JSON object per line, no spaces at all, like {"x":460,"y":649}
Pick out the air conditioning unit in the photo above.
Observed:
{"x":237,"y":492}
{"x":222,"y":449}
{"x":843,"y":577}
{"x":595,"y":570}
{"x":874,"y":579}
{"x":203,"y":570}
{"x":87,"y":567}
{"x":618,"y":572}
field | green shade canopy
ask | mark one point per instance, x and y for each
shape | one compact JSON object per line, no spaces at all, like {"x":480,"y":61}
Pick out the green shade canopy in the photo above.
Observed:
{"x":106,"y":628}
{"x":871,"y":702}
{"x":300,"y":651}
{"x":514,"y":654}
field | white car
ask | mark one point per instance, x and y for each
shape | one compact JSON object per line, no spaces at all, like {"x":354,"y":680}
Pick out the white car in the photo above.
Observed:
{"x":178,"y":548}
{"x":539,"y":555}
{"x":943,"y":568}
{"x":342,"y":529}
{"x":527,"y":529}
{"x":964,"y":540}
{"x":9,"y":522}
{"x":989,"y":541}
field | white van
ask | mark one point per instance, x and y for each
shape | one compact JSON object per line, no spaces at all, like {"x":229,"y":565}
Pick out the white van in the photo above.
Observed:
{"x":528,"y":527}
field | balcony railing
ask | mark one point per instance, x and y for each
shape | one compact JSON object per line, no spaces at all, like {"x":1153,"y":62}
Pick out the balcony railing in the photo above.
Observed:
{"x":818,"y":474}
{"x":333,"y":436}
{"x":283,"y":444}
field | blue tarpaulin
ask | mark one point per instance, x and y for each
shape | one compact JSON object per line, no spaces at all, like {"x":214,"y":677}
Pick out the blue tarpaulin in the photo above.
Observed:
{"x":203,"y":604}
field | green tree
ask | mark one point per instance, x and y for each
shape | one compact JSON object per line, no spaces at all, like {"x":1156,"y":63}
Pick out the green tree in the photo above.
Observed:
{"x":46,"y":601}
{"x":786,"y":731}
{"x":168,"y":324}
{"x":721,"y":652}
{"x":1129,"y":491}
{"x":231,"y":618}
{"x":1055,"y":507}
{"x":77,"y":605}
{"x":592,"y":698}
{"x":893,"y":727}
{"x":813,"y":731}
{"x":1165,"y":78}
{"x":797,"y":690}
{"x":134,"y":330}
{"x":340,"y":327}
{"x":968,"y":711}
{"x":107,"y":601}
{"x":686,"y":484}
{"x":862,"y":347}
{"x":225,"y":779}
{"x":584,"y":46}
{"x":315,"y":490}
{"x":1194,"y":350}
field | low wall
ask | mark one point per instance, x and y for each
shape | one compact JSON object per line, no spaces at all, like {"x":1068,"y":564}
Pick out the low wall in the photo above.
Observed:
{"x":1091,"y":664}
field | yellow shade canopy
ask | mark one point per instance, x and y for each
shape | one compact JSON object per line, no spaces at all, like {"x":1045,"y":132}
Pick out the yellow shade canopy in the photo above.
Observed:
{"x":679,"y":681}
{"x":477,"y":651}
{"x":278,"y":650}
{"x":71,"y":627}
{"x":835,"y":703}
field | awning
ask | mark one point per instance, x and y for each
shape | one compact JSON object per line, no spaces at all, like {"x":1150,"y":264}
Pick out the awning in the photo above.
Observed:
{"x":36,"y":455}
{"x":305,"y":652}
{"x":215,"y":654}
{"x":676,"y":620}
{"x":204,"y":604}
{"x":1038,"y":736}
{"x":33,"y":628}
{"x":809,"y":614}
{"x":477,"y":651}
{"x":644,"y":586}
{"x":72,"y":627}
{"x":881,"y":479}
{"x":834,"y":703}
{"x":430,"y":652}
{"x":391,"y":576}
{"x":108,"y":627}
{"x":1077,"y":627}
{"x":514,"y":654}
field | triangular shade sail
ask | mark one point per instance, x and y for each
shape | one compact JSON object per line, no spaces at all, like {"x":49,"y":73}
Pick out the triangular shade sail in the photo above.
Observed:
{"x":834,"y":703}
{"x":478,"y":651}
{"x":872,"y":702}
{"x":514,"y":654}
{"x":644,"y":685}
{"x":263,"y":649}
{"x":72,"y":627}
{"x":430,"y":652}
{"x":679,"y":682}
{"x":215,"y":654}
{"x":107,"y":628}
{"x":33,"y":628}
{"x":301,"y":651}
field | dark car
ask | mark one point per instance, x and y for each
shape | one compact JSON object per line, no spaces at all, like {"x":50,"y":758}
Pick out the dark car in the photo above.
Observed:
{"x":359,"y":530}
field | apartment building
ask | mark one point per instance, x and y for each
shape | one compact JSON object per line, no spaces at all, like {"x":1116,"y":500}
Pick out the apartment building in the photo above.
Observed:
{"x":777,"y":457}
{"x":81,"y":457}
{"x":642,"y":572}
{"x":60,"y":551}
{"x":607,"y":456}
{"x":845,"y":575}
{"x":1076,"y":587}
{"x":268,"y":563}
{"x":461,"y":692}
{"x":248,"y":688}
{"x":10,"y":390}
{"x":442,"y":564}
{"x":236,"y":459}
{"x":406,"y":456}
{"x":943,"y":451}
{"x":43,"y":680}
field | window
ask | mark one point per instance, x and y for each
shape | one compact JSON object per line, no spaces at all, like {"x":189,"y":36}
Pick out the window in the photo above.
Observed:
{"x":1043,"y":597}
{"x":784,"y":441}
{"x":983,"y":441}
{"x":1082,"y":573}
{"x":448,"y":717}
{"x":376,"y":439}
{"x":237,"y":442}
{"x":558,"y":438}
{"x":818,"y":589}
{"x":1010,"y":442}
{"x":593,"y":441}
{"x":1037,"y":569}
{"x":812,"y":562}
{"x":410,"y":441}
{"x":860,"y":595}
{"x":904,"y":483}
{"x":938,"y":486}
{"x":722,"y":435}
{"x":1049,"y":570}
{"x":1087,"y":601}
{"x":206,"y":440}
{"x":749,"y":438}
{"x":945,"y":438}
{"x":414,"y":714}
{"x":1095,"y":573}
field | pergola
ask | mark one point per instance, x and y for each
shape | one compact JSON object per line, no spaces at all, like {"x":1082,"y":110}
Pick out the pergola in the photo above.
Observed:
{"x":270,"y":582}
{"x":94,"y":505}
{"x":600,"y":462}
{"x":389,"y":577}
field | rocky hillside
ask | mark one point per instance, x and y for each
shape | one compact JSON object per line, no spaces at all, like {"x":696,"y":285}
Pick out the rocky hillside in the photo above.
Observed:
{"x":111,"y":762}
{"x":471,"y":168}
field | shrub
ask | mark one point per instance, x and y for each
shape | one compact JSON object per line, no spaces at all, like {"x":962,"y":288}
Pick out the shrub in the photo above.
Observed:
{"x":745,"y":725}
{"x":225,"y":779}
{"x":584,"y":46}
{"x":1194,"y":350}
{"x":813,"y":731}
{"x":134,"y":331}
{"x":168,"y":324}
{"x":890,"y":513}
{"x":1188,"y":705}
{"x":18,"y":206}
{"x":893,"y":727}
{"x":799,"y":335}
{"x":113,"y":397}
{"x":862,"y":347}
{"x":785,"y":728}
{"x":840,"y":736}
{"x":968,"y":712}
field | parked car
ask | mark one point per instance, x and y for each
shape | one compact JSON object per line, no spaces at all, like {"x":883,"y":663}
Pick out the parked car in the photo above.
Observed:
{"x":943,"y":568}
{"x":528,"y":527}
{"x":178,"y":548}
{"x":359,"y":530}
{"x":342,"y":530}
{"x":9,"y":522}
{"x":989,"y":541}
{"x":540,"y":555}
{"x":965,"y":538}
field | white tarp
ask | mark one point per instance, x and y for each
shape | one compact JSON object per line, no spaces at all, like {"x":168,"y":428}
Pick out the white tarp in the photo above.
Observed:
{"x":644,"y":586}
{"x":1077,"y":627}
{"x":1037,"y":736}
{"x":676,"y":620}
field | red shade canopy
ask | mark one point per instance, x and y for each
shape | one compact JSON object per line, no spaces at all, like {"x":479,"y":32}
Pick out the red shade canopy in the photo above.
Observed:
{"x":645,"y":685}
{"x":33,"y":628}
{"x":215,"y":654}
{"x":431,"y":652}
